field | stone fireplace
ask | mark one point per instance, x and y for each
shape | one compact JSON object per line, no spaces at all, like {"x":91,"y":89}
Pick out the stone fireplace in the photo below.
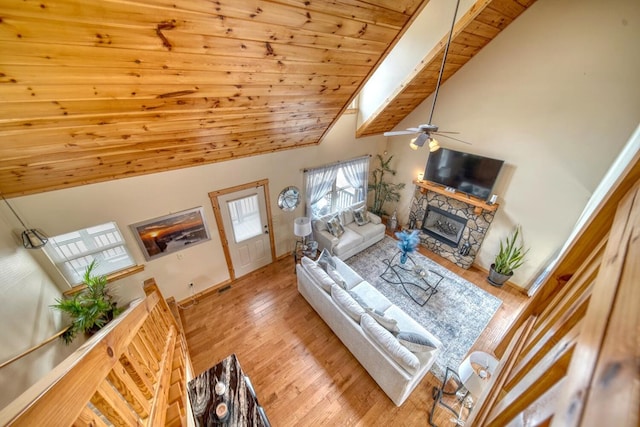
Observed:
{"x":443,"y":226}
{"x":448,"y":227}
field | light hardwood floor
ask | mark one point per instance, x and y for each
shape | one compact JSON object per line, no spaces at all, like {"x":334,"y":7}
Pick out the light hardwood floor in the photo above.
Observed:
{"x":302,"y":373}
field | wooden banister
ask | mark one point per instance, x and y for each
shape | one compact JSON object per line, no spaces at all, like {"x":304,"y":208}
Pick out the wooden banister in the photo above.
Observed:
{"x":34,"y":348}
{"x":575,"y":362}
{"x":123,"y":374}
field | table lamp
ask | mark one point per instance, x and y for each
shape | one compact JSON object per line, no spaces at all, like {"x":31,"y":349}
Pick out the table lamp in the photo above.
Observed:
{"x":302,"y":227}
{"x":476,"y":370}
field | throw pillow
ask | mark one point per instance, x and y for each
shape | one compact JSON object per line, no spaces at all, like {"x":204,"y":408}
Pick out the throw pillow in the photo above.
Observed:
{"x":346,"y":217}
{"x":325,"y":259}
{"x":359,"y":300}
{"x":387,"y":322}
{"x":417,"y":343}
{"x":320,"y":225}
{"x":337,"y":277}
{"x":360,"y":215}
{"x":319,"y":276}
{"x":348,"y":304}
{"x":390,"y":344}
{"x":334,"y":226}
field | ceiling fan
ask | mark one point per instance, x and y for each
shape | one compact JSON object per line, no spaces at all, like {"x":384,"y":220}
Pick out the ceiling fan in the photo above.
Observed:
{"x":425,"y":131}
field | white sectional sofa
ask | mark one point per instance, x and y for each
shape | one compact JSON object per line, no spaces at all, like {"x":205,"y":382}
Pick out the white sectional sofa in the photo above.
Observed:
{"x":355,"y":237}
{"x":352,"y":308}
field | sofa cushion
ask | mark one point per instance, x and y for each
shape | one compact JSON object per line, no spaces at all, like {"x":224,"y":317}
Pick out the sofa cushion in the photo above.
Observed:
{"x":318,"y":275}
{"x":408,"y":324}
{"x":349,"y":240}
{"x":389,"y":323}
{"x":349,"y":275}
{"x":335,"y":227}
{"x":367,"y":231}
{"x":416,"y":343}
{"x":389,"y":344}
{"x":371,"y":296}
{"x":336,"y":276}
{"x":346,"y":302}
{"x":360,"y":216}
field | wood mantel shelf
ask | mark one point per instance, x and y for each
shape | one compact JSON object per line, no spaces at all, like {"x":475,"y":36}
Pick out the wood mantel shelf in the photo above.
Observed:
{"x":479,"y":204}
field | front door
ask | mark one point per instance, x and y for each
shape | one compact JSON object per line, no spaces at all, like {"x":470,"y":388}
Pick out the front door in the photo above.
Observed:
{"x":243,"y":218}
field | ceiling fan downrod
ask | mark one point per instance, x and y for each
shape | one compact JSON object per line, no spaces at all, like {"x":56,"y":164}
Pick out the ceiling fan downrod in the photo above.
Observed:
{"x":444,"y":60}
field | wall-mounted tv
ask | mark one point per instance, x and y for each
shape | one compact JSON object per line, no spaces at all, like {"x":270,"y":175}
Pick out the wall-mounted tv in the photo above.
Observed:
{"x":465,"y":172}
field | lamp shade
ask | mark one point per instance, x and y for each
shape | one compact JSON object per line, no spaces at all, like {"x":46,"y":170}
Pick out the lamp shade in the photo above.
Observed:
{"x":476,"y":370}
{"x":302,"y":226}
{"x":433,"y":145}
{"x":34,"y":239}
{"x":31,"y":238}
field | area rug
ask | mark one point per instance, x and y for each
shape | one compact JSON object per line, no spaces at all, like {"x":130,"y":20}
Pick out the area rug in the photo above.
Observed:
{"x":457,"y":313}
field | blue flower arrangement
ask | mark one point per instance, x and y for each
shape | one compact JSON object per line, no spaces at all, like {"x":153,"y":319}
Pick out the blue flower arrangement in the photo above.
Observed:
{"x":407,"y":243}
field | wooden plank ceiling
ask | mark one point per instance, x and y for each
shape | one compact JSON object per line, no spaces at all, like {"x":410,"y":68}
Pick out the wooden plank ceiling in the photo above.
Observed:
{"x":104,"y":89}
{"x":473,"y":31}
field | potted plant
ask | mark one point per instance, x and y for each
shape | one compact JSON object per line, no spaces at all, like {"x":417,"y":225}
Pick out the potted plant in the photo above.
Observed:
{"x":383,"y":191}
{"x":91,"y":308}
{"x":509,"y":258}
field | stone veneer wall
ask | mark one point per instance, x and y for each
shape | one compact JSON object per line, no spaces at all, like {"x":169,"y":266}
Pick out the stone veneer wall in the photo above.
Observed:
{"x":474,"y":232}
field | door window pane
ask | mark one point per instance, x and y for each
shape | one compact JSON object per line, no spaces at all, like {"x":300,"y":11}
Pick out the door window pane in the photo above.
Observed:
{"x":245,"y":218}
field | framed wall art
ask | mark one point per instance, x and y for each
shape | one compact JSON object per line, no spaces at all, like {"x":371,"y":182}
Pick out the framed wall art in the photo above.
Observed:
{"x":171,"y":233}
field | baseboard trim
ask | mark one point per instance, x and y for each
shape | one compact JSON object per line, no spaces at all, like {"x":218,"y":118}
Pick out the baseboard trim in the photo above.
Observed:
{"x":210,"y":290}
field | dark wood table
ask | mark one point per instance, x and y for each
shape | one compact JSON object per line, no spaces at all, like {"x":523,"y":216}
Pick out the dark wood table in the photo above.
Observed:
{"x":240,"y":397}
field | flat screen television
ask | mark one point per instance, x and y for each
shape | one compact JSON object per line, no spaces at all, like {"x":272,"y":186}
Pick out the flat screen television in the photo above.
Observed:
{"x":465,"y":172}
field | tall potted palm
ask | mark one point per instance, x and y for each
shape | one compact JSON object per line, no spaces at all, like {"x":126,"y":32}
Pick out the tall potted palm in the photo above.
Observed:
{"x":509,"y":258}
{"x":91,"y":308}
{"x":383,"y":191}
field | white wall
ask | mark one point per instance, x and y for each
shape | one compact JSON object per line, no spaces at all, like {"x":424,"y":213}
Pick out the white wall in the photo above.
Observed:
{"x":556,"y":95}
{"x":26,"y":293}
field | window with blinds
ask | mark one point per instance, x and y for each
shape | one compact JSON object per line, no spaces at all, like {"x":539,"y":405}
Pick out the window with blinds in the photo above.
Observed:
{"x":73,"y":252}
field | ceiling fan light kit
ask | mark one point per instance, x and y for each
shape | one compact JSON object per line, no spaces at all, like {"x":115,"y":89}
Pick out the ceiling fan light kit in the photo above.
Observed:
{"x":425,"y":131}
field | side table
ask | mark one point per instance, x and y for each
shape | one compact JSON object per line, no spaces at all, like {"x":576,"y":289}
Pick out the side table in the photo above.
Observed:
{"x":451,"y":392}
{"x":237,"y":394}
{"x":310,"y":250}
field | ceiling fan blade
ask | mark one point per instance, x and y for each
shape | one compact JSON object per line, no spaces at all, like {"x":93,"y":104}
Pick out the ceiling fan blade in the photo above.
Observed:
{"x":455,"y":139}
{"x":415,"y":129}
{"x":398,"y":132}
{"x":444,"y":131}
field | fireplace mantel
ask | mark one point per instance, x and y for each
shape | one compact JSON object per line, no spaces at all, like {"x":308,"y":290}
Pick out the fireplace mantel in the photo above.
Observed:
{"x":479,"y":204}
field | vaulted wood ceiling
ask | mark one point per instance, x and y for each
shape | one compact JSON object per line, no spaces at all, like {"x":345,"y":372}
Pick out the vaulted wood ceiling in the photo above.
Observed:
{"x":105,"y":89}
{"x":102,"y":89}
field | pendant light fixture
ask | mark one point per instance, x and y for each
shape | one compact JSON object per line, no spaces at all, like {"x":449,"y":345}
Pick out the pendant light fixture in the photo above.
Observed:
{"x":31,"y":238}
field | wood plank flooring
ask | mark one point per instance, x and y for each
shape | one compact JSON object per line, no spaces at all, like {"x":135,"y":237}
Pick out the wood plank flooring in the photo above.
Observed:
{"x":302,"y":373}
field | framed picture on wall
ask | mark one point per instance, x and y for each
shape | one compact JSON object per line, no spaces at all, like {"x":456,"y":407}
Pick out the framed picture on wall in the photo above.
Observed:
{"x":171,"y":233}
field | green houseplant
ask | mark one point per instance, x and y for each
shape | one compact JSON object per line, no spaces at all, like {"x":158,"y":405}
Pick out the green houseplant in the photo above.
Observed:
{"x":510,"y":257}
{"x":91,"y":308}
{"x":383,"y":191}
